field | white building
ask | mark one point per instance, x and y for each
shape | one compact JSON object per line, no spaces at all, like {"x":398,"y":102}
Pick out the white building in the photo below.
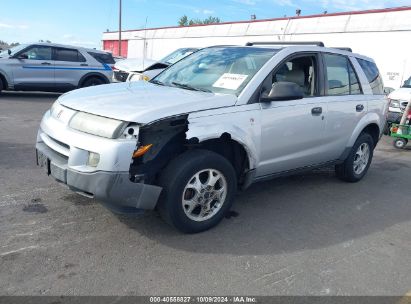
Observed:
{"x":383,"y":34}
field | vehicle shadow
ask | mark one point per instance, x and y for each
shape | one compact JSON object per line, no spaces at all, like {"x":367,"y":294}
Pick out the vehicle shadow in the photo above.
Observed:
{"x":27,"y":96}
{"x":309,"y":211}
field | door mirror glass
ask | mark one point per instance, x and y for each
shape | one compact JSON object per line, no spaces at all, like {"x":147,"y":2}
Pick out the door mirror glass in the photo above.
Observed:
{"x":282,"y":91}
{"x":23,"y":56}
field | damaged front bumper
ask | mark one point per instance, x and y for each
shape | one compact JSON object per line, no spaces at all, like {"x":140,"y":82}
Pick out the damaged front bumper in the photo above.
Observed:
{"x":114,"y":189}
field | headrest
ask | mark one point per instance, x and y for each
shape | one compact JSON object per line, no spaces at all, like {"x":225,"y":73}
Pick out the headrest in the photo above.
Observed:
{"x":333,"y":84}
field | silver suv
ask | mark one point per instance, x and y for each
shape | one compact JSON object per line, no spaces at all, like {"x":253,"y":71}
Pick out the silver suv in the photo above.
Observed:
{"x":53,"y":68}
{"x":217,"y":121}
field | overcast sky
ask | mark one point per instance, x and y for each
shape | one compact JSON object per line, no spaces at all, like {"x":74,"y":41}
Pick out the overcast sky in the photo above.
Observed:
{"x":81,"y":22}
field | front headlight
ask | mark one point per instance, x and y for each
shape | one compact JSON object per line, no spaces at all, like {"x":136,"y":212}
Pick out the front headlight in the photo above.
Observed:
{"x":394,"y":103}
{"x":97,"y":125}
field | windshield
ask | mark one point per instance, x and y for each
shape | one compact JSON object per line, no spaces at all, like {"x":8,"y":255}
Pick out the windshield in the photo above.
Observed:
{"x":217,"y":69}
{"x":13,"y":50}
{"x":177,"y":55}
{"x":407,"y":83}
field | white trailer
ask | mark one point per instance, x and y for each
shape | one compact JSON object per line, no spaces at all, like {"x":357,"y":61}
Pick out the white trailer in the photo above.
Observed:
{"x":383,"y":34}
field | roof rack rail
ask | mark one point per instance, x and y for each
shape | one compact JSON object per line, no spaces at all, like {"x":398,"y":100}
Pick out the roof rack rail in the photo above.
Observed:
{"x":343,"y":49}
{"x":316,"y":43}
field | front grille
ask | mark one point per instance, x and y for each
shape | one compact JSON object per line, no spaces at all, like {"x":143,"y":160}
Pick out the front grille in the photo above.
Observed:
{"x":60,"y":143}
{"x":121,"y":76}
{"x":57,"y":146}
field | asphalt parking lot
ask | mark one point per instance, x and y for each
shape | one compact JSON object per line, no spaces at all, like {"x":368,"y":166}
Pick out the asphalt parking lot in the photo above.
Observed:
{"x":309,"y":234}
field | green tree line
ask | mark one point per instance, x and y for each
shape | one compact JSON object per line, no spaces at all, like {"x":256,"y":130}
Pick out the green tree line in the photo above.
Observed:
{"x":185,"y":21}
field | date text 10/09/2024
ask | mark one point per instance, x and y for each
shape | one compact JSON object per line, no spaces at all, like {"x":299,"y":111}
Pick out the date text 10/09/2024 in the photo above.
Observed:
{"x":204,"y":299}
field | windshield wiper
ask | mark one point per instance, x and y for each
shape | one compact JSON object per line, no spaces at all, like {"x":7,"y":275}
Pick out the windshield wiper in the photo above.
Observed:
{"x":188,"y":87}
{"x":157,"y":82}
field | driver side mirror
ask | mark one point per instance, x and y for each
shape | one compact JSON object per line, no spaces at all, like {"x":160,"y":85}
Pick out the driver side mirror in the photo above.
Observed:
{"x":282,"y":91}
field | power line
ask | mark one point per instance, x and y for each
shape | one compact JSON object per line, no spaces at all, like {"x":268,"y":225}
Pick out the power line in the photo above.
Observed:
{"x":119,"y":27}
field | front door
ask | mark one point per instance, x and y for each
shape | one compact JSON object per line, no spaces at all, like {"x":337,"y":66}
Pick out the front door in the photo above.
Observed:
{"x":292,"y":132}
{"x":33,"y":69}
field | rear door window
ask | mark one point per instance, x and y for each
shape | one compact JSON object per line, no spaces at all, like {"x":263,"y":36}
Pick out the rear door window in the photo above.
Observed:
{"x":341,"y":77}
{"x":68,"y":55}
{"x":373,"y":75}
{"x":103,"y":58}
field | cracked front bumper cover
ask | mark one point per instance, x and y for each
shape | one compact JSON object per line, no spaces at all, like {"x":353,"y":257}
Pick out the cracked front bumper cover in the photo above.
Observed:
{"x":113,"y":189}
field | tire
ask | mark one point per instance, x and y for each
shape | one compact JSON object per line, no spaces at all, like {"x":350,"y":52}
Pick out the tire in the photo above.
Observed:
{"x":400,"y":143}
{"x":92,"y":81}
{"x":387,"y":128}
{"x":355,"y":167}
{"x":1,"y":85}
{"x":208,"y":205}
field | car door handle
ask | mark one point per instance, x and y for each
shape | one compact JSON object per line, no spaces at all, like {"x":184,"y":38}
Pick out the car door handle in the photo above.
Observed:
{"x":317,"y":111}
{"x":46,"y":63}
{"x":84,"y":64}
{"x":359,"y":108}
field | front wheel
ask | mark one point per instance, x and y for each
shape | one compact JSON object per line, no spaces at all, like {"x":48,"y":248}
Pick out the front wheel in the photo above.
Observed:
{"x":91,"y":82}
{"x":198,"y":189}
{"x":354,"y":168}
{"x":400,"y":143}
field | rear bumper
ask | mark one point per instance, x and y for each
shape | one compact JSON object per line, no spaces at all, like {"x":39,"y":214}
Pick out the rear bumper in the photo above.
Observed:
{"x":113,"y":189}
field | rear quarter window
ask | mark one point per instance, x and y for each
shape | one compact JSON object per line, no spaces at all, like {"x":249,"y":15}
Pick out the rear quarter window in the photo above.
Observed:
{"x":103,"y":58}
{"x":373,"y":76}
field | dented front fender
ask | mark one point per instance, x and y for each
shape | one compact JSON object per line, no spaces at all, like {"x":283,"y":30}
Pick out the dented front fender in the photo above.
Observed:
{"x":242,"y":123}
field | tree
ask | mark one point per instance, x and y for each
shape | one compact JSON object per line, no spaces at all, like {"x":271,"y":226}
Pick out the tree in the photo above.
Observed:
{"x":4,"y":45}
{"x":183,"y":21}
{"x":211,"y":20}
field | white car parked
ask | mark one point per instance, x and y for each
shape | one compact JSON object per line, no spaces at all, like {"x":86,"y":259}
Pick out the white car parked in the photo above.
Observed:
{"x":146,"y":69}
{"x":400,"y":98}
{"x":221,"y":119}
{"x":398,"y":102}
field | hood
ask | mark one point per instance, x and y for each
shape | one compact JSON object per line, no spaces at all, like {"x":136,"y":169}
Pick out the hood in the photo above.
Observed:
{"x":141,"y":101}
{"x":401,"y":94}
{"x":134,"y":65}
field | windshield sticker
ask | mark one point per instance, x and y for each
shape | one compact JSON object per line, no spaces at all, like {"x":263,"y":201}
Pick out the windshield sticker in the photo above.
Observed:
{"x":230,"y":81}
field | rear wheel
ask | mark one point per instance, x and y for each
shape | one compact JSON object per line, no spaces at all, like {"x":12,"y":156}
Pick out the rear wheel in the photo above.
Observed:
{"x":92,"y":81}
{"x":354,"y":168}
{"x":198,"y":189}
{"x":400,"y":143}
{"x":1,"y":85}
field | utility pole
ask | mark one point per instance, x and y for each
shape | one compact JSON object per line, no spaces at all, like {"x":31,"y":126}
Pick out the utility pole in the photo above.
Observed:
{"x":119,"y":27}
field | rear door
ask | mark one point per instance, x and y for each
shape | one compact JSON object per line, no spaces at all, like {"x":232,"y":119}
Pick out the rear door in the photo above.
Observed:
{"x":33,"y":69}
{"x":70,"y":66}
{"x":346,"y":103}
{"x":292,"y":132}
